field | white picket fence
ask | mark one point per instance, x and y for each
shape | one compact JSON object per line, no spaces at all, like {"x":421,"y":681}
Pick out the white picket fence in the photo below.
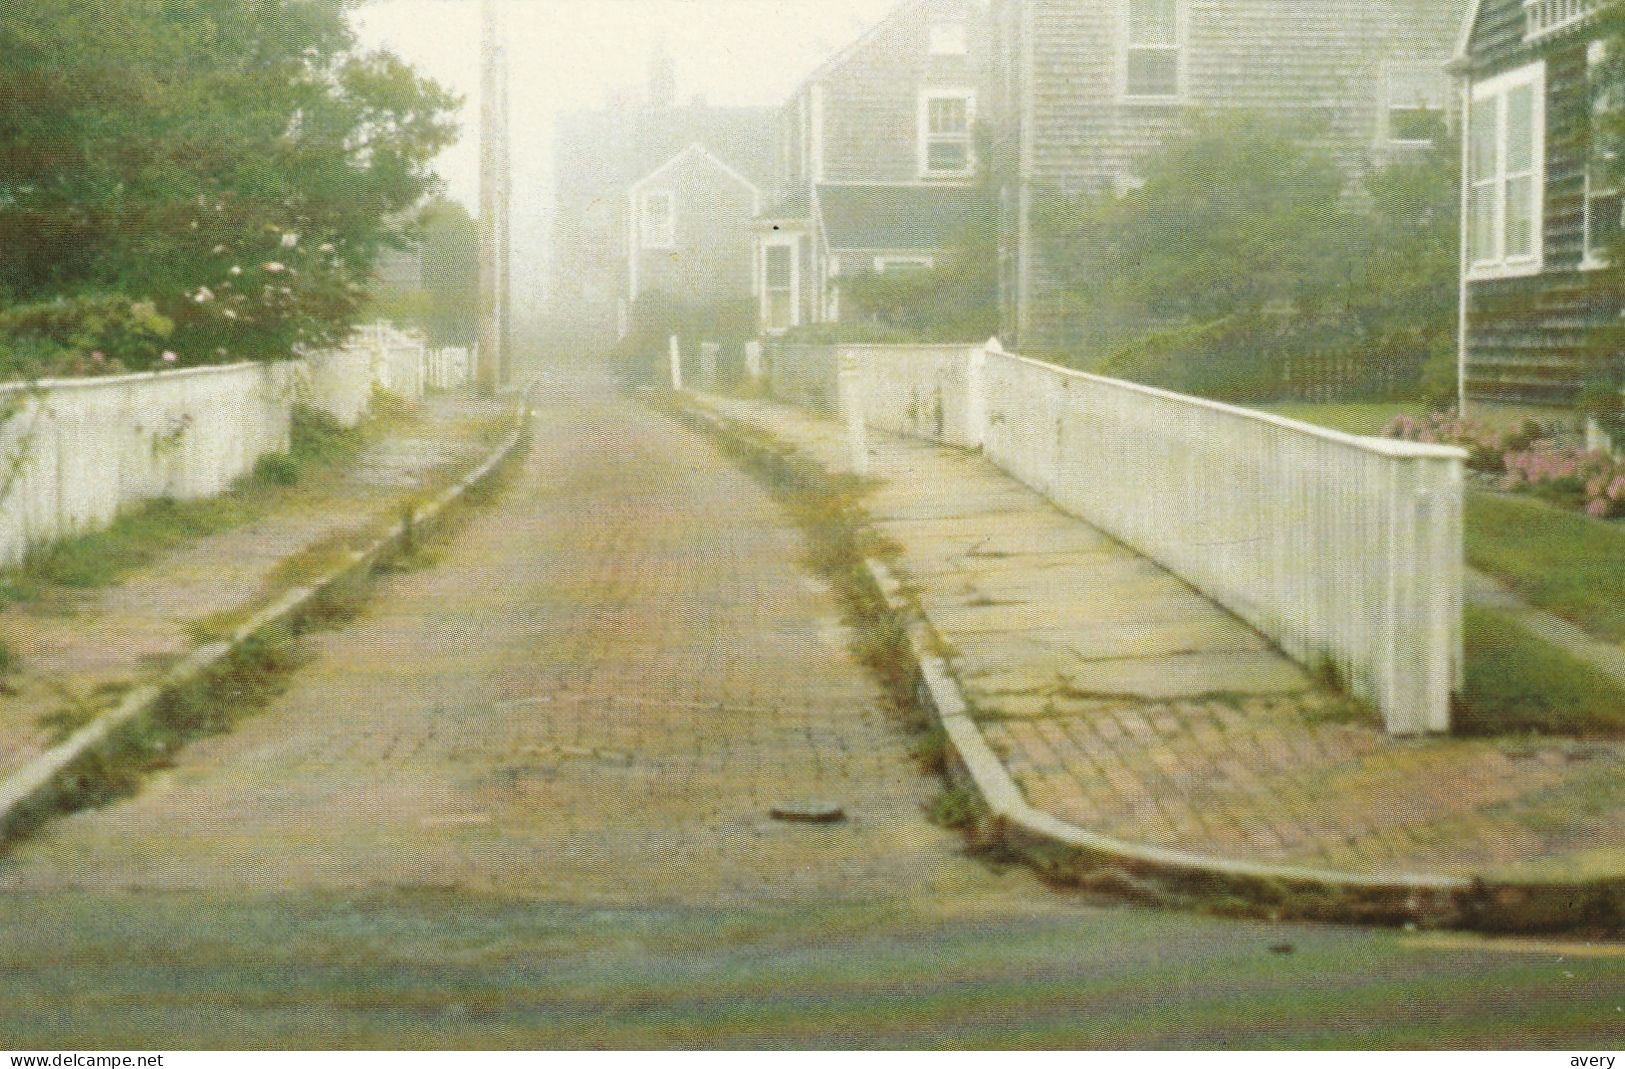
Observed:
{"x":1346,"y":551}
{"x":75,"y":452}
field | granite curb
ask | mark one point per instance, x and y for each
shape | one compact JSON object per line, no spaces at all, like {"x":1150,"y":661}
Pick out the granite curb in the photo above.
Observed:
{"x":1074,"y":856}
{"x":38,"y":780}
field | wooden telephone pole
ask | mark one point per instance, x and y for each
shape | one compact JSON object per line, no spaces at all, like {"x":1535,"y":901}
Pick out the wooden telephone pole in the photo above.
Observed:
{"x":495,"y":360}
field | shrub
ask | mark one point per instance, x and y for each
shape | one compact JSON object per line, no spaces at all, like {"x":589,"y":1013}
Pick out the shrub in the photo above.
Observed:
{"x":279,"y":469}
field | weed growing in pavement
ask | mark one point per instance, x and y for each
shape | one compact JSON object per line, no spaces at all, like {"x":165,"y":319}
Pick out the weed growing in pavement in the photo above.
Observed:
{"x":954,"y":807}
{"x":241,"y":684}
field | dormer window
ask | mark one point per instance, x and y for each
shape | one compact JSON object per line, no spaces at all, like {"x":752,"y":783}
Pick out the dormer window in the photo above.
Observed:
{"x":949,"y":39}
{"x":1151,"y":57}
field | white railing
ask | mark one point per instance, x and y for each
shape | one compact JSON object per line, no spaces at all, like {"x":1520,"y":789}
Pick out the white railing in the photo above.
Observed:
{"x":449,"y":368}
{"x":1546,"y":17}
{"x":1345,"y":551}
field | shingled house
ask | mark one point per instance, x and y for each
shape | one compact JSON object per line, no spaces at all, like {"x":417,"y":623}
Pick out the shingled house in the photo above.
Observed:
{"x":606,"y":210}
{"x":1537,"y":218}
{"x":691,"y":230}
{"x":878,"y":160}
{"x":1082,"y":90}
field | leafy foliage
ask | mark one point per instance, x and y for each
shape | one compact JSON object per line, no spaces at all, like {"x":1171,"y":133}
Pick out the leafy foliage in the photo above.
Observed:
{"x":446,"y":306}
{"x":233,"y":164}
{"x":1244,"y":246}
{"x":955,"y":301}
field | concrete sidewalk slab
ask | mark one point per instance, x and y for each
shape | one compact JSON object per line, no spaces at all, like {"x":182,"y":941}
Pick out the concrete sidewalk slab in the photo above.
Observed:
{"x":1201,"y":741}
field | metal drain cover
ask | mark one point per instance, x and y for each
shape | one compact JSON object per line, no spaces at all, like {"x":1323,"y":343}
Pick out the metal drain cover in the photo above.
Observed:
{"x":808,"y":812}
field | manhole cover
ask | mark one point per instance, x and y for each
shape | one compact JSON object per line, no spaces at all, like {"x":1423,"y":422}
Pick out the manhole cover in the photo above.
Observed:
{"x":808,"y":812}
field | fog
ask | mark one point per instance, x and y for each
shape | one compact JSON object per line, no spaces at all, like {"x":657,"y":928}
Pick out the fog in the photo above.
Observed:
{"x":569,"y":54}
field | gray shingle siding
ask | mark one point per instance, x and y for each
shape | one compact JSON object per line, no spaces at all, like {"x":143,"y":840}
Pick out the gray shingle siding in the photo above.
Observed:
{"x":1067,"y":128}
{"x":1529,"y":339}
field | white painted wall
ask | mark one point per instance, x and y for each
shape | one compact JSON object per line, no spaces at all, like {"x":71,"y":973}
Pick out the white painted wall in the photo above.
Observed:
{"x":75,"y":452}
{"x":1346,"y":551}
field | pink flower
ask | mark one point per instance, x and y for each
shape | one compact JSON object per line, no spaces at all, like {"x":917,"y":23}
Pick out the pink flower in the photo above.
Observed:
{"x":1616,"y":489}
{"x":169,"y":357}
{"x":1598,"y":507}
{"x":98,"y":357}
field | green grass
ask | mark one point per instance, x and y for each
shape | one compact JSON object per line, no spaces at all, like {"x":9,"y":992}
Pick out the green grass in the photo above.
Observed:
{"x":1564,"y":562}
{"x":135,"y":538}
{"x":1518,"y":683}
{"x":1355,"y":417}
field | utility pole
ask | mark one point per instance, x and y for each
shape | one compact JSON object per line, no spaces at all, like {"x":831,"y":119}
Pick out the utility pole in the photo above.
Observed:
{"x":494,"y":362}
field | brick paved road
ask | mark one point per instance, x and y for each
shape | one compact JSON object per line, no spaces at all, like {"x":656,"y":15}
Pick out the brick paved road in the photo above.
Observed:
{"x":597,"y":696}
{"x":521,"y":803}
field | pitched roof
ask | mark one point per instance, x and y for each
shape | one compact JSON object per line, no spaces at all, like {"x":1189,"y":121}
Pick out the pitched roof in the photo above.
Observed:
{"x":700,"y":153}
{"x":897,"y":216}
{"x":609,"y":149}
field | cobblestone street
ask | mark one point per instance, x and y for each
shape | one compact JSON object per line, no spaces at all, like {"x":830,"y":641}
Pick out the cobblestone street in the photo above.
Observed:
{"x":522,"y":800}
{"x":597,"y":695}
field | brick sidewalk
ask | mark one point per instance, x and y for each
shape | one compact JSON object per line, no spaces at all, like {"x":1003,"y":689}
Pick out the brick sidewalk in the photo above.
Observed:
{"x":80,"y":649}
{"x":1125,"y":704}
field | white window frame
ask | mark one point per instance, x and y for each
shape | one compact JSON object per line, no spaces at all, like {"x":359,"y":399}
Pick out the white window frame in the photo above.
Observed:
{"x":1177,"y":47}
{"x":1590,"y":258}
{"x":665,"y":236}
{"x":885,"y":263}
{"x":792,"y":243}
{"x":1497,"y":89}
{"x":948,"y":39}
{"x":926,"y":138}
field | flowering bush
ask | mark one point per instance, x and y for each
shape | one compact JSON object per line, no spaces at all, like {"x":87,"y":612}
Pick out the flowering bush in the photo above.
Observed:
{"x":1485,"y":445}
{"x":1528,"y":460}
{"x":93,"y":334}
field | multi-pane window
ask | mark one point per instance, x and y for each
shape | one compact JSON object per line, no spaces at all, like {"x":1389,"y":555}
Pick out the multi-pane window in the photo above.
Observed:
{"x":1506,"y":155}
{"x":1151,"y":60}
{"x":945,"y":132}
{"x":1603,"y":204}
{"x":949,"y":39}
{"x":657,"y":220}
{"x":778,"y":287}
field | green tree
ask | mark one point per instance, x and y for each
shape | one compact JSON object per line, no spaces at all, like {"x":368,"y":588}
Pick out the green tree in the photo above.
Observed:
{"x":233,"y":163}
{"x":1247,"y":243}
{"x":957,"y":300}
{"x":446,"y":304}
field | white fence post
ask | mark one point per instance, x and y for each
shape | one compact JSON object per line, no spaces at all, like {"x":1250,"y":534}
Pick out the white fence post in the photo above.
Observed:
{"x":849,"y":390}
{"x":676,"y":354}
{"x":976,"y":392}
{"x":753,"y":360}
